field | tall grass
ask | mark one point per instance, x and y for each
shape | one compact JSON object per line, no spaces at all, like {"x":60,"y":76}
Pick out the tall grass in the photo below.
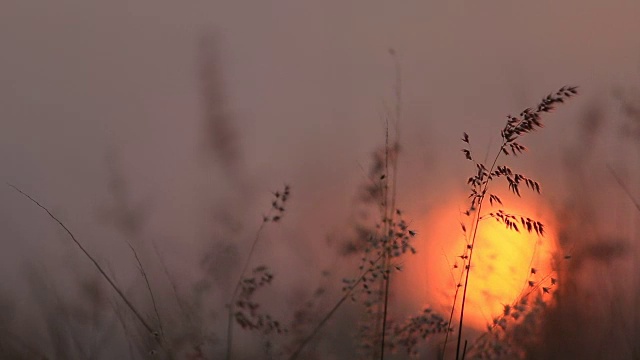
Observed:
{"x":381,"y":245}
{"x":528,"y":121}
{"x":157,"y":336}
{"x":245,"y":287}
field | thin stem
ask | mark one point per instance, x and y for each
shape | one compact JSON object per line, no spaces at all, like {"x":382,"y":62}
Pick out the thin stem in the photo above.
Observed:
{"x":237,"y":288}
{"x":453,"y":308}
{"x":464,"y":352}
{"x":635,"y":348}
{"x":146,"y":280}
{"x":391,"y":210}
{"x":172,"y":282}
{"x":624,"y":188}
{"x":386,"y":305}
{"x":457,"y":284}
{"x":326,"y":318}
{"x":95,"y":264}
{"x":386,"y":218}
{"x":467,"y":267}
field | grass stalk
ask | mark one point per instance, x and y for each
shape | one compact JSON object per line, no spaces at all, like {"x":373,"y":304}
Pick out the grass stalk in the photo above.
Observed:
{"x":467,"y":267}
{"x":624,"y":187}
{"x":390,"y":211}
{"x":332,"y":311}
{"x":122,"y":296}
{"x":277,"y":206}
{"x":528,"y":121}
{"x":234,"y":294}
{"x":148,"y":286}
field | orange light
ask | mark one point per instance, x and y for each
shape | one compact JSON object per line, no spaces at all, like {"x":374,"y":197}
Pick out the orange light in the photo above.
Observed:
{"x":501,"y":266}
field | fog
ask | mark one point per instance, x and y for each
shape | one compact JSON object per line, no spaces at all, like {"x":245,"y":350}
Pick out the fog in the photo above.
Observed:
{"x":169,"y":125}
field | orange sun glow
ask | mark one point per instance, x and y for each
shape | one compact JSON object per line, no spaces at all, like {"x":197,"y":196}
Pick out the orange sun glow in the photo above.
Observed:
{"x":501,"y":266}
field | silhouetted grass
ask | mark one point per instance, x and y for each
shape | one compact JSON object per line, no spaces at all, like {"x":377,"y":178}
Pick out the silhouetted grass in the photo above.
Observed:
{"x":380,"y":246}
{"x":516,"y":127}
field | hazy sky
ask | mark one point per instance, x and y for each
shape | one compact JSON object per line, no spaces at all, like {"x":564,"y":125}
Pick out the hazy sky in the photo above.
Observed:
{"x":307,"y":84}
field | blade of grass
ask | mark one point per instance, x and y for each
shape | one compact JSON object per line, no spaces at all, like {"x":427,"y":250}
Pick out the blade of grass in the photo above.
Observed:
{"x":624,"y":187}
{"x":95,"y":263}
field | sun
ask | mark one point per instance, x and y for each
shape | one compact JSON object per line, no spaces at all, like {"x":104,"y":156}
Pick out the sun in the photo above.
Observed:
{"x":504,"y":262}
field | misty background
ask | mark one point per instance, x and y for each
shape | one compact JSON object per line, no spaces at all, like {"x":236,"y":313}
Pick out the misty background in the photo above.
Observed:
{"x":171,"y":123}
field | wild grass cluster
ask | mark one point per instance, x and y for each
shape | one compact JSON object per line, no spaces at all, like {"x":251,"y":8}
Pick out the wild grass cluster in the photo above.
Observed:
{"x":354,"y":313}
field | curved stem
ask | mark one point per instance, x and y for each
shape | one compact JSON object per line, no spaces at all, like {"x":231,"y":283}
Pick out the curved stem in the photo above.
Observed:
{"x":326,"y":318}
{"x":96,"y":265}
{"x":234,"y":294}
{"x":467,"y":267}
